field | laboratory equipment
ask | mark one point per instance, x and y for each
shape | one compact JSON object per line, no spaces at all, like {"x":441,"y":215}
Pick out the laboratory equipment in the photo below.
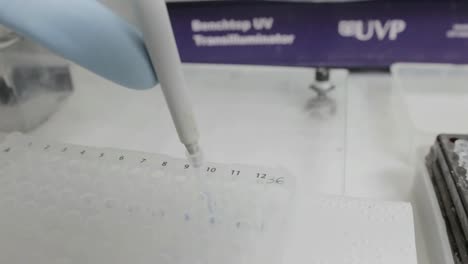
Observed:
{"x":80,"y":204}
{"x":33,"y":83}
{"x":355,"y":34}
{"x":322,"y":84}
{"x":447,"y":165}
{"x":160,"y":41}
{"x":247,"y":114}
{"x":426,"y":98}
{"x":288,"y":107}
{"x":70,"y":203}
{"x":262,"y":105}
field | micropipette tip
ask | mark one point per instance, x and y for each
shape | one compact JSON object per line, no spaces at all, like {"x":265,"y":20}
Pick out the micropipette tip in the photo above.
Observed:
{"x":194,"y":155}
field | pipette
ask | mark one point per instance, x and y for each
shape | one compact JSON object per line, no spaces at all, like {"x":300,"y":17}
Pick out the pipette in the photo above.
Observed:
{"x":161,"y":45}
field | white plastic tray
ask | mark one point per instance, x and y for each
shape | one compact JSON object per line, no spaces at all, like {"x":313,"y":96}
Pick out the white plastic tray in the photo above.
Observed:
{"x":431,"y":236}
{"x":251,"y":115}
{"x":240,"y":108}
{"x":428,"y":99}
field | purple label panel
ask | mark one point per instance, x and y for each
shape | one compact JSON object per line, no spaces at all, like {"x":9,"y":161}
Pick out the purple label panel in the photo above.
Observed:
{"x":357,"y":34}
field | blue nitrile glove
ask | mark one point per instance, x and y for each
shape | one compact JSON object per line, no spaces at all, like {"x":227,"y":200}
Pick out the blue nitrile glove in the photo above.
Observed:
{"x":85,"y":32}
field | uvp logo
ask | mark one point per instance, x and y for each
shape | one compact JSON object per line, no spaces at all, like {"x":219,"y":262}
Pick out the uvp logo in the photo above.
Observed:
{"x":365,"y":31}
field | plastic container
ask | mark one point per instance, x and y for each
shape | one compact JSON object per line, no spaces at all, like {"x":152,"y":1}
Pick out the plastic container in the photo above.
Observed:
{"x":431,"y":235}
{"x":33,"y":83}
{"x":428,"y":99}
{"x":252,"y":115}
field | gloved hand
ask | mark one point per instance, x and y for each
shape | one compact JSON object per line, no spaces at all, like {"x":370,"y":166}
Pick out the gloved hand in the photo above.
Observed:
{"x":85,"y":32}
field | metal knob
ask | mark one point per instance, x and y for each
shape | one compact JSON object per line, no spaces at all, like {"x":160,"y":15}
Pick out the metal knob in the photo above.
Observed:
{"x":322,"y":84}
